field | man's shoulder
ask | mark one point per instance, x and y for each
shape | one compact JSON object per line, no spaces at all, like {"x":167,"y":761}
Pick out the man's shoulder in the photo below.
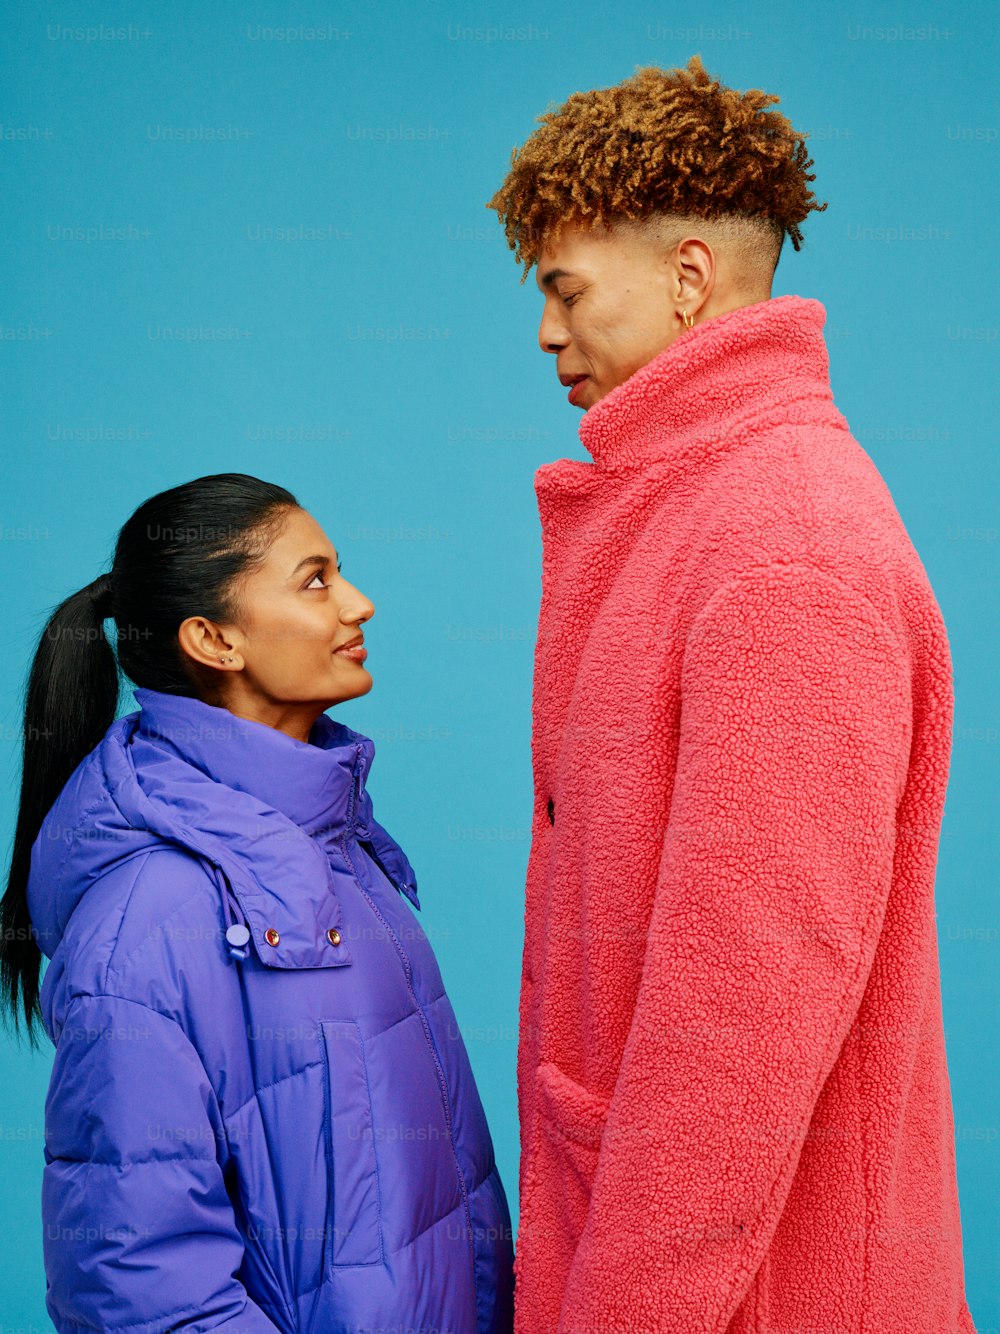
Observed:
{"x":813,"y":499}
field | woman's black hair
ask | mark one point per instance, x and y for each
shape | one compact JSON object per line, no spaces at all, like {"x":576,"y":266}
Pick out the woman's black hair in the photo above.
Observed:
{"x":181,"y":554}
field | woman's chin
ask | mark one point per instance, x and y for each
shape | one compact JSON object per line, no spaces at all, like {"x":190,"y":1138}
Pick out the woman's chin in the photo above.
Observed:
{"x":346,"y":691}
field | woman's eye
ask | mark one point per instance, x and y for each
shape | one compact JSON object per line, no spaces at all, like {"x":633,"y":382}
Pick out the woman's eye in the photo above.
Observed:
{"x":568,"y":300}
{"x":319,"y":575}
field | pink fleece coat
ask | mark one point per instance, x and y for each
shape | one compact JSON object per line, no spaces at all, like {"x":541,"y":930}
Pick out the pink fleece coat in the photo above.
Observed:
{"x":732,"y":1081}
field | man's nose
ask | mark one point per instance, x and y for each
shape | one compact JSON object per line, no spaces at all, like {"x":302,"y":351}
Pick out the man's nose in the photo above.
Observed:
{"x":552,"y":335}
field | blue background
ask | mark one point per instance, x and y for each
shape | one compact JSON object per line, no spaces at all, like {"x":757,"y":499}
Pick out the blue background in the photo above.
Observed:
{"x":387,"y":371}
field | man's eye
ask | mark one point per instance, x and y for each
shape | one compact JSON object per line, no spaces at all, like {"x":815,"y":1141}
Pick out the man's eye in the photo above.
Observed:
{"x":568,"y":300}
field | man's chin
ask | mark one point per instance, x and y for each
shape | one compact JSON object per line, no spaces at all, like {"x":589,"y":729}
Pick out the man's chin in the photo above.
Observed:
{"x":591,"y":394}
{"x":584,"y":394}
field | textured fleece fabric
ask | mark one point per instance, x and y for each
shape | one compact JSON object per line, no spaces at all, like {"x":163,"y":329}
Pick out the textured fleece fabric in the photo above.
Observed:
{"x":732,"y":1082}
{"x":273,"y":1129}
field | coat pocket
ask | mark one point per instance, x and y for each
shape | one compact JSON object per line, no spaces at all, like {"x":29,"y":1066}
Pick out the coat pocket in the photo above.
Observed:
{"x":571,"y":1124}
{"x":574,"y":1111}
{"x":354,"y":1233}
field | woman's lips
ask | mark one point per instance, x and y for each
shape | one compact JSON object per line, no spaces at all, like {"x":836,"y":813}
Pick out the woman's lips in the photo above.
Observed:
{"x":358,"y":653}
{"x":573,"y":388}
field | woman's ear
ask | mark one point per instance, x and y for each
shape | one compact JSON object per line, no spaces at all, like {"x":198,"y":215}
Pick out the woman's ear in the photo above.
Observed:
{"x":209,"y":644}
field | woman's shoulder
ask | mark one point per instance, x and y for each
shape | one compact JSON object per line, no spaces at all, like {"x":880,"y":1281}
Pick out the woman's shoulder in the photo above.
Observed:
{"x":149,"y":929}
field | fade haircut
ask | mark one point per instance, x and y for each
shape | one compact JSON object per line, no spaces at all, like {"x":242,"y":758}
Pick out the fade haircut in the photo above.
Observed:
{"x":664,"y":149}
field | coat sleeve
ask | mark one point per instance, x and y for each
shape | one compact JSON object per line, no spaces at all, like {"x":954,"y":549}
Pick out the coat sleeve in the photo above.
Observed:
{"x":795,"y":728}
{"x":139,"y":1232}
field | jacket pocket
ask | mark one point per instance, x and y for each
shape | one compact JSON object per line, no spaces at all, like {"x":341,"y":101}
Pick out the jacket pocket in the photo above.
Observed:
{"x":575,"y":1112}
{"x":569,"y":1125}
{"x":354,"y":1233}
{"x":572,"y":1121}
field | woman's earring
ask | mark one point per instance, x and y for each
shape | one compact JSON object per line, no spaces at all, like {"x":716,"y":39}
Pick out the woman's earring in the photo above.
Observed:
{"x":688,"y":320}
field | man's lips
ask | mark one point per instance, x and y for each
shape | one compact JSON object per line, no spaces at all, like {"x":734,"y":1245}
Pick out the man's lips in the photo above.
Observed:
{"x":575,"y":383}
{"x":570,"y":380}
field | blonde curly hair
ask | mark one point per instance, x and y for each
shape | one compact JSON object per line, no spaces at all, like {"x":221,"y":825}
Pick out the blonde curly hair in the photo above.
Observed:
{"x":660,"y":147}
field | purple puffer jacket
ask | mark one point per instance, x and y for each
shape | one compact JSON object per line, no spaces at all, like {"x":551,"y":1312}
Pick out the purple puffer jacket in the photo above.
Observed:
{"x":261,"y":1113}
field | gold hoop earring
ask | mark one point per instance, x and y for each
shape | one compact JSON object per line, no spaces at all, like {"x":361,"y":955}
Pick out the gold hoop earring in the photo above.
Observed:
{"x":688,"y":320}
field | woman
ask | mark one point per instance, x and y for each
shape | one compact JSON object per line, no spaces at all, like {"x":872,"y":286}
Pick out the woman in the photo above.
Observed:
{"x":261,"y":1115}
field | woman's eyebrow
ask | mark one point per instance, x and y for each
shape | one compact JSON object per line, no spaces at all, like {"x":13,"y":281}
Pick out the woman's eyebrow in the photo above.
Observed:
{"x":310,"y":560}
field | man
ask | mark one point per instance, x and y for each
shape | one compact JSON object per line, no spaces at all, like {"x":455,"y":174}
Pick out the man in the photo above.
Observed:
{"x":733,"y":1090}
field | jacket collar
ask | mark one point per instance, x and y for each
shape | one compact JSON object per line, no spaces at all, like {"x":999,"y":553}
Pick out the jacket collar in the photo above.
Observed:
{"x":310,"y":783}
{"x":320,"y":786}
{"x":263,"y":808}
{"x":743,"y":368}
{"x":260,"y":808}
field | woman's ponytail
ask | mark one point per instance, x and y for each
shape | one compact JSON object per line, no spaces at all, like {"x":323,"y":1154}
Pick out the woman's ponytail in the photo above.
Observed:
{"x":70,"y":701}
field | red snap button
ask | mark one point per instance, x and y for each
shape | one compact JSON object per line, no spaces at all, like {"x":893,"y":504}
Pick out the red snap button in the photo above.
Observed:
{"x":271,"y":936}
{"x":333,"y":935}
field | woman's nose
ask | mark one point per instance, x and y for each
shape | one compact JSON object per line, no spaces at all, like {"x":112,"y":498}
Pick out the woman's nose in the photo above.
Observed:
{"x":352,"y":605}
{"x":357,"y":608}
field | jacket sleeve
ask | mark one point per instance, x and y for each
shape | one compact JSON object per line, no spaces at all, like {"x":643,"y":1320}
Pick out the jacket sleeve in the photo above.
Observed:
{"x":795,"y":727}
{"x":139,"y":1232}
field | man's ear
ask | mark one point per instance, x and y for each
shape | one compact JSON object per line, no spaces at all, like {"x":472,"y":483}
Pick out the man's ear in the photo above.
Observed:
{"x":206,"y":642}
{"x":694,"y":272}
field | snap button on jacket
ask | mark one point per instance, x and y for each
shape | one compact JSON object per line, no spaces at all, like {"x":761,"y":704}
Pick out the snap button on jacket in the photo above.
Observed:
{"x":732,"y":1081}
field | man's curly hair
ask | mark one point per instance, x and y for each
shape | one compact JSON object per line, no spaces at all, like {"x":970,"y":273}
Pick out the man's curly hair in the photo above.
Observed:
{"x":663,"y":142}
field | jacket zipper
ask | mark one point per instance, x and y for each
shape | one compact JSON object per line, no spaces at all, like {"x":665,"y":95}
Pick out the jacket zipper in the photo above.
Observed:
{"x":408,"y":974}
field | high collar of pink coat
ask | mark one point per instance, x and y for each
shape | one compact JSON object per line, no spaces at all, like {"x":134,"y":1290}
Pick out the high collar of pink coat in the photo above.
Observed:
{"x":748,"y":364}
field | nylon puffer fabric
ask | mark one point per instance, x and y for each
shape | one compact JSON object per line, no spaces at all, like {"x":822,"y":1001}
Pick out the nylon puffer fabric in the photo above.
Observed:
{"x":261,"y":1114}
{"x":732,"y":1080}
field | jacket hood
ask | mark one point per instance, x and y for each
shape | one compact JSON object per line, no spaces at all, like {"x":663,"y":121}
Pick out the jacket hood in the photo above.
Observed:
{"x":260,"y":807}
